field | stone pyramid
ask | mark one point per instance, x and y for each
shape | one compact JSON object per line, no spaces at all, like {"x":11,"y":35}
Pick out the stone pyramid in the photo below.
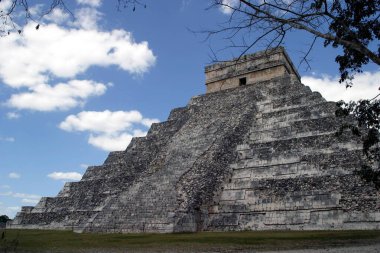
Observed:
{"x":258,"y":151}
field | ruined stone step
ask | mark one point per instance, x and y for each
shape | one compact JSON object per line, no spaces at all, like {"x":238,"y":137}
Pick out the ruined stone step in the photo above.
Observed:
{"x":158,"y":135}
{"x":316,"y":111}
{"x":289,"y":102}
{"x":259,"y":203}
{"x":304,"y":142}
{"x":242,"y":178}
{"x":324,"y":159}
{"x":297,"y":220}
{"x":105,"y":171}
{"x":177,"y":112}
{"x":295,"y":129}
{"x":296,"y":100}
{"x":352,"y":184}
{"x":115,"y":157}
{"x":198,"y":136}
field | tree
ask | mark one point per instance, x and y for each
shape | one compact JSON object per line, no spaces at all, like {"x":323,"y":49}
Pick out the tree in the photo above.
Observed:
{"x":4,"y":219}
{"x":352,"y":25}
{"x":10,"y":10}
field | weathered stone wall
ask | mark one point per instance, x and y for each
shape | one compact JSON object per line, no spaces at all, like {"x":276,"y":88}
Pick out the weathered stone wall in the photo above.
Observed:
{"x":252,"y":77}
{"x":261,"y":156}
{"x":293,"y":172}
{"x":257,"y":67}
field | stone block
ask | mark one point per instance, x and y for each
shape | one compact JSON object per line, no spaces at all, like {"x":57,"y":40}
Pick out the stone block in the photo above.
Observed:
{"x":232,"y":195}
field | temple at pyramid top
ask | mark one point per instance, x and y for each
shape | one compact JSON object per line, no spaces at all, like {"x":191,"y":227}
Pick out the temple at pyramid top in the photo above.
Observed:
{"x":260,"y":66}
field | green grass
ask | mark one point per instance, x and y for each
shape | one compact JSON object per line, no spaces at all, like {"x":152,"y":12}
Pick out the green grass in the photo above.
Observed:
{"x":67,"y":241}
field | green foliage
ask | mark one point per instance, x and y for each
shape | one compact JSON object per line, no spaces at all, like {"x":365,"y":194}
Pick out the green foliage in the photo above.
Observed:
{"x":356,"y":21}
{"x":252,"y":241}
{"x":370,"y":175}
{"x":8,"y":245}
{"x":351,"y":25}
{"x":4,"y":219}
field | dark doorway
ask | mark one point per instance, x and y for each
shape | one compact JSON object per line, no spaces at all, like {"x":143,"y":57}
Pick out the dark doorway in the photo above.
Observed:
{"x":242,"y":81}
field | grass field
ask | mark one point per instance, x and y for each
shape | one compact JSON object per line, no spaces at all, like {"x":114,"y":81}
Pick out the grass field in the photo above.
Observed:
{"x":67,"y":241}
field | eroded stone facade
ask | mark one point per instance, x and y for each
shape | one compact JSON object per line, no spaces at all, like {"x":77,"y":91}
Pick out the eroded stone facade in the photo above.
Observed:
{"x":260,"y":156}
{"x":249,"y":69}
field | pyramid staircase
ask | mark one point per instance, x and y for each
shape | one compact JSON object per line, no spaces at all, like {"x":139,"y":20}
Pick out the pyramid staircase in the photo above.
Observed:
{"x":261,"y":156}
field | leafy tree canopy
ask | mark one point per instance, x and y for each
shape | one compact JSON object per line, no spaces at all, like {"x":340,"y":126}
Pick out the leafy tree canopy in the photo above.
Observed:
{"x":4,"y":218}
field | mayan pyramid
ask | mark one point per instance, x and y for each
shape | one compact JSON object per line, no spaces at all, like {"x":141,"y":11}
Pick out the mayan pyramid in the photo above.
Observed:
{"x":258,"y":151}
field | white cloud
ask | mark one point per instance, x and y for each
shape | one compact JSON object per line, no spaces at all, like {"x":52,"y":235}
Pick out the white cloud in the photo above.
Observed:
{"x":5,"y":186}
{"x":83,"y":166}
{"x":105,"y":121}
{"x":227,"y":6}
{"x":113,"y":142}
{"x":108,"y":130}
{"x":87,"y":18}
{"x":35,"y":59}
{"x":14,"y":208}
{"x":25,"y":195}
{"x":7,"y":139}
{"x":13,"y":115}
{"x":20,"y":195}
{"x":10,"y":211}
{"x":57,"y":16}
{"x":62,"y":96}
{"x":149,"y":122}
{"x":366,"y":86}
{"x":14,"y":175}
{"x":30,"y":201}
{"x":5,"y":5}
{"x":65,"y":176}
{"x":31,"y":59}
{"x":94,"y":3}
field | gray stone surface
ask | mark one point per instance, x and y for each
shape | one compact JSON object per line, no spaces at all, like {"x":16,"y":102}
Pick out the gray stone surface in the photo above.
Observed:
{"x":257,"y":157}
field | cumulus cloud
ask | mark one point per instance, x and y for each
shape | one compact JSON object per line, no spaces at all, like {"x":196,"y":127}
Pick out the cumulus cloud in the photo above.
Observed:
{"x":29,"y":60}
{"x":109,"y":130}
{"x":34,"y":60}
{"x":14,"y":175}
{"x":13,"y":115}
{"x":25,"y":198}
{"x":227,"y":6}
{"x":87,"y":18}
{"x":105,"y":121}
{"x":62,"y":96}
{"x":10,"y":211}
{"x":57,"y":16}
{"x":65,"y":176}
{"x":114,"y":142}
{"x":94,"y":3}
{"x":365,"y":86}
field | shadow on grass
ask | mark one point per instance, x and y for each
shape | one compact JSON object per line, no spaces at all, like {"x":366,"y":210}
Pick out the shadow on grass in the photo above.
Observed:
{"x":67,"y":241}
{"x":8,"y":244}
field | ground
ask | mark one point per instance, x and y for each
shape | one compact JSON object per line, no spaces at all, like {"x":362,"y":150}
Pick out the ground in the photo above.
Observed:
{"x":266,"y":241}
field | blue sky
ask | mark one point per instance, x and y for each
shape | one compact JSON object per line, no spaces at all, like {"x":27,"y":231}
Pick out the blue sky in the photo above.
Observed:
{"x":78,"y":88}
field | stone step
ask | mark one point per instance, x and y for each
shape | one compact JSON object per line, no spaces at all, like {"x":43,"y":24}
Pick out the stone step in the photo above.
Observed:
{"x":323,"y":158}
